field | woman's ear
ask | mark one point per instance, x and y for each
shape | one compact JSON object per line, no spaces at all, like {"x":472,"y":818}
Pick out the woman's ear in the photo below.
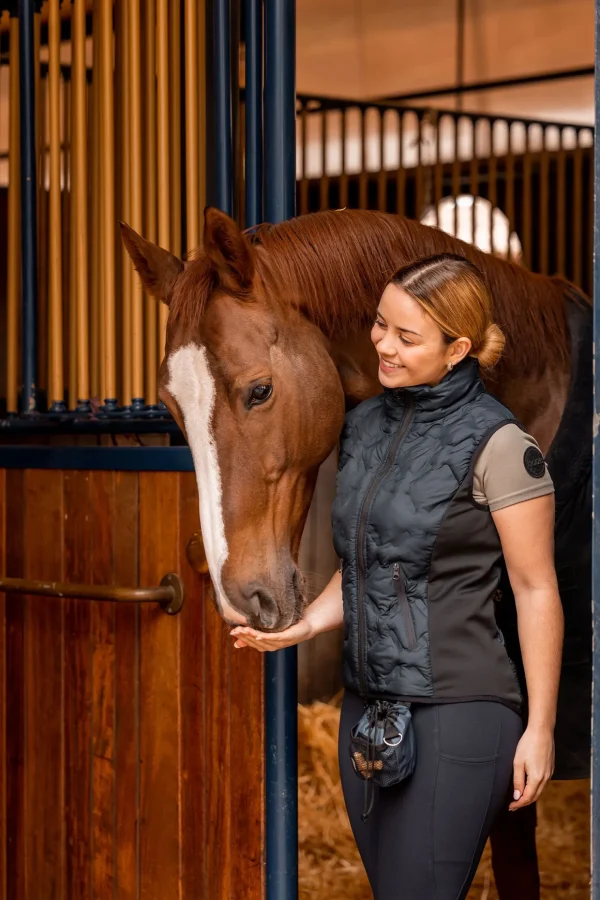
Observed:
{"x":458,"y":349}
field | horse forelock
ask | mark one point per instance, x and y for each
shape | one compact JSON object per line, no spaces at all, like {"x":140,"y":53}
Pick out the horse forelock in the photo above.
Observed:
{"x":334,"y":266}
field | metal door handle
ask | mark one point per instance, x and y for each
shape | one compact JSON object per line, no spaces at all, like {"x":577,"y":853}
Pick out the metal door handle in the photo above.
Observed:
{"x":169,"y":594}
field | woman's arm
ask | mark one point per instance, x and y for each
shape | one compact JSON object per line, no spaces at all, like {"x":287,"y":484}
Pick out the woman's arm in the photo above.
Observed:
{"x":527,"y":535}
{"x":324,"y":614}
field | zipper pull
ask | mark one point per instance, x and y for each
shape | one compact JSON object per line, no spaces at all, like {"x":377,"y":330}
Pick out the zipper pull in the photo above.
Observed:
{"x":396,"y":575}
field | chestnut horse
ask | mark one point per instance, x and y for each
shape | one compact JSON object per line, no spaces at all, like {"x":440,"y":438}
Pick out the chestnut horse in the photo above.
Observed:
{"x":268,"y":343}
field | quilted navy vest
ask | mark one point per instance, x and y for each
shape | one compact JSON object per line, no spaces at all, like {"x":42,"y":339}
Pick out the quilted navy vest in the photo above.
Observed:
{"x":421,"y":559}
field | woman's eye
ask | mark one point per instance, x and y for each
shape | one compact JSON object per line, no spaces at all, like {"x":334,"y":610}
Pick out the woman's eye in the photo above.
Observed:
{"x":260,"y":393}
{"x":379,"y":323}
{"x":405,"y":342}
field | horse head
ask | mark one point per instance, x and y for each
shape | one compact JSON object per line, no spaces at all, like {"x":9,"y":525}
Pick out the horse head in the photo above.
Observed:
{"x":253,"y":386}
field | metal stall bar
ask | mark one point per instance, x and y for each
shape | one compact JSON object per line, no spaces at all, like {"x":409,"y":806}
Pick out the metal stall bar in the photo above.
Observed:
{"x":13,"y":272}
{"x":254,"y":112}
{"x":149,"y":199}
{"x":55,"y":381}
{"x":281,"y":670}
{"x":191,"y":126}
{"x":79,"y":173}
{"x":595,"y":807}
{"x":135,"y":201}
{"x":222,"y":102}
{"x":107,"y":205}
{"x":28,"y":206}
{"x":163,"y":140}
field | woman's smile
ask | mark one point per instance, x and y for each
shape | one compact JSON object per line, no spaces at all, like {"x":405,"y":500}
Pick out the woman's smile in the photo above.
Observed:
{"x":387,"y":366}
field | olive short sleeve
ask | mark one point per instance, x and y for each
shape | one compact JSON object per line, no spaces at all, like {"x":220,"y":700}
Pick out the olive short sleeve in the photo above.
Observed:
{"x":510,"y":469}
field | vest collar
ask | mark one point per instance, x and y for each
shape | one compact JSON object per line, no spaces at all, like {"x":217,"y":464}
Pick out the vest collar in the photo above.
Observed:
{"x":457,"y":388}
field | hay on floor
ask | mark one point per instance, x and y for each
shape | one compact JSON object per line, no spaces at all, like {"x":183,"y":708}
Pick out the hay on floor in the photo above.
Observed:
{"x":330,"y":867}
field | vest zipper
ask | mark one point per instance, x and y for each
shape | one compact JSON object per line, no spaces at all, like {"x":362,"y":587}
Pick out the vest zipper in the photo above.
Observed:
{"x":404,"y":606}
{"x":361,"y":547}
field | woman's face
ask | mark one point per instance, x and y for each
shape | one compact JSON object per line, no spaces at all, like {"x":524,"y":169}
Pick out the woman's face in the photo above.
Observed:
{"x":410,"y":345}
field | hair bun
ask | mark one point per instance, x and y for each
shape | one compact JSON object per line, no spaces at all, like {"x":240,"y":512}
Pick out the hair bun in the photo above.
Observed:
{"x":491,"y":347}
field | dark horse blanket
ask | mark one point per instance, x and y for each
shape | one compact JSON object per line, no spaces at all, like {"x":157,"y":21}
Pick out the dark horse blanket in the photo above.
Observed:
{"x":570,"y":463}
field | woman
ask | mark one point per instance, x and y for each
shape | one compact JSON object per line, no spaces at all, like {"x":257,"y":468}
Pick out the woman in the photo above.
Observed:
{"x":436,"y":484}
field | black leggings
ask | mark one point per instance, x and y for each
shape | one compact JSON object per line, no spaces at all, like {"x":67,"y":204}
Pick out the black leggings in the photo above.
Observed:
{"x":424,"y":837}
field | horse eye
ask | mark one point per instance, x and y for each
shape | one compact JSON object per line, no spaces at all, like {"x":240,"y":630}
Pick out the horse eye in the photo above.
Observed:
{"x":260,"y":393}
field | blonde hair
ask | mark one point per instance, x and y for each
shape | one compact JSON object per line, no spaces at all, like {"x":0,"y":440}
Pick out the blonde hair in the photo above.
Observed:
{"x":452,"y":291}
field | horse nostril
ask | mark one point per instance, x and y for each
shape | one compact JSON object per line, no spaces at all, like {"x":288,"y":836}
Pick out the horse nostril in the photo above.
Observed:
{"x":264,"y":609}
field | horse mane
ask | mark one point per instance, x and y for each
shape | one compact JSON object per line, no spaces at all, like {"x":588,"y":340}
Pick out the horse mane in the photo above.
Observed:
{"x":335,"y":265}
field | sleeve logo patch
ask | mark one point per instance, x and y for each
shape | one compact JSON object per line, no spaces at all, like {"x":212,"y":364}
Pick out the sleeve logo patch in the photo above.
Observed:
{"x":534,"y":462}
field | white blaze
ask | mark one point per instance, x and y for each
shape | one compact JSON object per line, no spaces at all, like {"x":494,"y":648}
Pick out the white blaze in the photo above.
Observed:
{"x":193,"y":387}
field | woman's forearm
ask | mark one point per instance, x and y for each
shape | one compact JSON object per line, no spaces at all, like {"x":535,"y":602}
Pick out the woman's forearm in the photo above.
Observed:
{"x":541,"y":627}
{"x":326,"y":612}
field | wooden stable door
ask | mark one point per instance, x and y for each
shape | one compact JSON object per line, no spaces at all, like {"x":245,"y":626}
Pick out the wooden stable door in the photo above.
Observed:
{"x":131,"y":742}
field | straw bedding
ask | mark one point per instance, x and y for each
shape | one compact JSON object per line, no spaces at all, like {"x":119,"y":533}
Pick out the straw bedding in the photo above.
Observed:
{"x":330,"y":867}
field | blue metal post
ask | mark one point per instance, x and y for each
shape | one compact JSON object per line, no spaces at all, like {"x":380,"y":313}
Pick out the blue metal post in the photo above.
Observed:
{"x":27,"y":65}
{"x":595,"y":811}
{"x":281,"y":674}
{"x":222,"y":106}
{"x":254,"y":112}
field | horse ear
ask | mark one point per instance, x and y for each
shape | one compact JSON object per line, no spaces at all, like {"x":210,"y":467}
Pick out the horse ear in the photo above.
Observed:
{"x":157,"y":268}
{"x":229,"y":251}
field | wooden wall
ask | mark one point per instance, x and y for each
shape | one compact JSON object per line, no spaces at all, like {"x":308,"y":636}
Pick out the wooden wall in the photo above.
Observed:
{"x":131,"y":749}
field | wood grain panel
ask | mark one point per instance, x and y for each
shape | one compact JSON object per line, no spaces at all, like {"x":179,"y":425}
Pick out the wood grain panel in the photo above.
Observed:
{"x":3,"y":767}
{"x":103,"y":688}
{"x":160,"y":785}
{"x":15,"y":698}
{"x":44,"y":666}
{"x":193,"y":680}
{"x":246,"y":773}
{"x":218,"y":753}
{"x":78,"y":686}
{"x":125,"y":571}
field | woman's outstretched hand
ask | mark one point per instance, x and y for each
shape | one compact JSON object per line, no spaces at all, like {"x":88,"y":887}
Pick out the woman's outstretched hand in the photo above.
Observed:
{"x":259,"y":640}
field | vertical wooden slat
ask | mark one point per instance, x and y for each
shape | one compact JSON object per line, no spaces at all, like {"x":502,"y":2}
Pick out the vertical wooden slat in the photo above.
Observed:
{"x":127,"y":687}
{"x":150,"y":190}
{"x":544,"y":224}
{"x":107,"y":195}
{"x":135,"y":209}
{"x":578,"y":212}
{"x":3,"y":692}
{"x":55,"y":380}
{"x":42,"y":209}
{"x":175,"y":122}
{"x":78,"y":686}
{"x":13,"y":263}
{"x":363,"y":178}
{"x":194,"y":762}
{"x":561,"y":164}
{"x":456,"y":174}
{"x":160,"y":787}
{"x":16,"y":699}
{"x":102,"y":616}
{"x":191,"y":125}
{"x":96,"y":254}
{"x":401,"y":176}
{"x":123,"y":72}
{"x":79,"y":189}
{"x":203,"y":105}
{"x":162,"y":114}
{"x":69,"y":205}
{"x":45,"y":844}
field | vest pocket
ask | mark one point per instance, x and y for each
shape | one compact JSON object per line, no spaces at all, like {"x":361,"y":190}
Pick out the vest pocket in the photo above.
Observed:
{"x":400,"y":588}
